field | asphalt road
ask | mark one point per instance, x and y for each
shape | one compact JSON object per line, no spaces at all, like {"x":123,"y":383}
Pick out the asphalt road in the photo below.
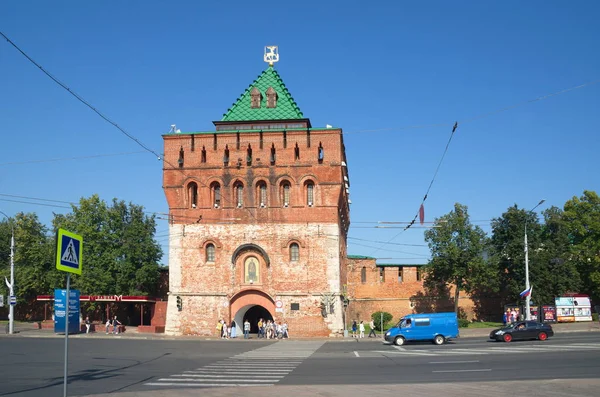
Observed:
{"x":34,"y":366}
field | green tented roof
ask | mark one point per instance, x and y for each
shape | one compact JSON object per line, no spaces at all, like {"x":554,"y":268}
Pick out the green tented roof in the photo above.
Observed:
{"x":286,"y":108}
{"x":359,"y":257}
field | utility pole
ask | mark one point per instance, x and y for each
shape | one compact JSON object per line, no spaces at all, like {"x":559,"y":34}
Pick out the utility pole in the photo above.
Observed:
{"x":527,"y":286}
{"x":11,"y":285}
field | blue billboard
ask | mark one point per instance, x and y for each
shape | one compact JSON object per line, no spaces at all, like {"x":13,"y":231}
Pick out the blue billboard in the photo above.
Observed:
{"x":60,"y":300}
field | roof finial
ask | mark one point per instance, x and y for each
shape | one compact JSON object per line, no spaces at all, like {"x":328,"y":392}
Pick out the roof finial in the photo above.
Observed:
{"x":271,"y":54}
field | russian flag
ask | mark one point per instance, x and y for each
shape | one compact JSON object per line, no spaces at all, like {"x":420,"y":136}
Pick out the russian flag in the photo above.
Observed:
{"x":526,"y":293}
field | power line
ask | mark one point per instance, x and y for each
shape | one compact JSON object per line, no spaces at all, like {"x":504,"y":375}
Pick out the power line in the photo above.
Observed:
{"x":69,"y":158}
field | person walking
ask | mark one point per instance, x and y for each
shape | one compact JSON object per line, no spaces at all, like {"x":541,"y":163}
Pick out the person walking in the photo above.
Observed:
{"x":361,"y":328}
{"x":88,"y":324}
{"x":246,"y":329}
{"x":372,"y":326}
{"x":260,"y":328}
{"x":220,"y":328}
{"x":354,"y":329}
{"x":286,"y":335}
{"x":233,"y":329}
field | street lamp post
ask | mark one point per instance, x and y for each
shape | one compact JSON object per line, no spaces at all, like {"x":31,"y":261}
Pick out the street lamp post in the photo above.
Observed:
{"x":527,"y":286}
{"x":11,"y":287}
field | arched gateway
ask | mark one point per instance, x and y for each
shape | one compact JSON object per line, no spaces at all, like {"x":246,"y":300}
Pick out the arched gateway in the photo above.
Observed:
{"x":251,"y":304}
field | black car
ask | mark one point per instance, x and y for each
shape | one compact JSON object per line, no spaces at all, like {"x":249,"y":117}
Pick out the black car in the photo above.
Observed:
{"x":522,"y":330}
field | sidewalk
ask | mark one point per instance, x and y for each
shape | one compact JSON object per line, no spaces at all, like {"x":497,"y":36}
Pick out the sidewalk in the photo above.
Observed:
{"x":30,"y":330}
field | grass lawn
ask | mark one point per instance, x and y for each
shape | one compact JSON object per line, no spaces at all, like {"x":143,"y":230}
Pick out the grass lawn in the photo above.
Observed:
{"x":484,"y":324}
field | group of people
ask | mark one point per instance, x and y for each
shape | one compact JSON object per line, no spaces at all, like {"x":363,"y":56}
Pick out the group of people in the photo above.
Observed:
{"x":271,"y":330}
{"x":114,"y":322}
{"x":361,"y":329}
{"x":266,"y":329}
{"x":511,"y":316}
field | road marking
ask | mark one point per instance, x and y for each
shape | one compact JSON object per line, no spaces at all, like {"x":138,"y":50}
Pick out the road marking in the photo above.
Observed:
{"x":210,"y":384}
{"x":241,"y":371}
{"x":225,"y":376}
{"x":400,"y":348}
{"x":464,"y":370}
{"x":453,"y":362}
{"x":220,"y":380}
{"x":356,"y":353}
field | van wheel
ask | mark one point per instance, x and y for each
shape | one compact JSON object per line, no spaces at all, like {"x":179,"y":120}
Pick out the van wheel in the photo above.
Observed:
{"x":399,"y":341}
{"x":439,"y":340}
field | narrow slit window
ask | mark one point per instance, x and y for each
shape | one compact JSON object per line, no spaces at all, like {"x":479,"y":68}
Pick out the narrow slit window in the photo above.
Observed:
{"x":217,"y":195}
{"x":400,"y":275}
{"x":203,"y":155}
{"x":321,"y":153}
{"x":273,"y":154}
{"x":260,"y":140}
{"x":237,"y":140}
{"x":296,"y":152}
{"x":284,"y":139}
{"x":419,"y":275}
{"x":214,"y":141}
{"x":249,"y":155}
{"x":193,"y":143}
{"x":180,"y":160}
{"x":382,"y":275}
{"x":226,"y":156}
{"x":307,"y":138}
{"x":363,"y":275}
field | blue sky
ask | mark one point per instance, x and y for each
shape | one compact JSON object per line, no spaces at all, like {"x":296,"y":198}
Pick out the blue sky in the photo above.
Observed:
{"x":371,"y":68}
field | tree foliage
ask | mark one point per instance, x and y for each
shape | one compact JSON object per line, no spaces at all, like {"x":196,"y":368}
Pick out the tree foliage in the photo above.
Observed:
{"x":582,"y":219}
{"x":119,"y":253}
{"x":457,"y":254}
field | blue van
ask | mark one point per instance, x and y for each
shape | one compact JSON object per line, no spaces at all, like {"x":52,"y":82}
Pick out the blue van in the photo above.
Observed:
{"x":436,"y":327}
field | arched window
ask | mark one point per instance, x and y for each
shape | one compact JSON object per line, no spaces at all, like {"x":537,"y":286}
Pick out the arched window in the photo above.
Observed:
{"x":255,"y":98}
{"x":193,"y":194}
{"x":239,"y":194}
{"x":310,"y":193}
{"x":285,"y":193}
{"x":216,"y":194}
{"x":321,"y":153}
{"x":180,"y":160}
{"x":363,"y":275}
{"x":294,"y":252}
{"x":262,"y":194}
{"x":210,"y":252}
{"x":271,"y":97}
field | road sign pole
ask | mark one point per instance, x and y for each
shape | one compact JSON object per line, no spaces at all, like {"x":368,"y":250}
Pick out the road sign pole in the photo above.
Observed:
{"x":67,"y":334}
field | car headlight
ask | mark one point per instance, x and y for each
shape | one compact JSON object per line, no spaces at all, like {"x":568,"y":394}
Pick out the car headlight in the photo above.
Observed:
{"x":387,"y":333}
{"x":499,"y":332}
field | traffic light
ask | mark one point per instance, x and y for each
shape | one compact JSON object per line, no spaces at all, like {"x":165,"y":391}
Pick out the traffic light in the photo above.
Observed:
{"x":179,"y":303}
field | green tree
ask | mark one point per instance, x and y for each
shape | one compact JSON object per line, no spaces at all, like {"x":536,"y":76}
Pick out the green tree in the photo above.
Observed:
{"x":457,"y":254}
{"x":120,"y":255}
{"x":582,"y":217}
{"x":508,"y":251}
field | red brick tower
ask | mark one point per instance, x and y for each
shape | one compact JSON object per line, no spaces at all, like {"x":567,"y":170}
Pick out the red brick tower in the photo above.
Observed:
{"x":259,"y":218}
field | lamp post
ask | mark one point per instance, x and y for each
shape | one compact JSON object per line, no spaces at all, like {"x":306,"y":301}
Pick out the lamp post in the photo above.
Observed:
{"x":11,"y":287}
{"x":527,"y":286}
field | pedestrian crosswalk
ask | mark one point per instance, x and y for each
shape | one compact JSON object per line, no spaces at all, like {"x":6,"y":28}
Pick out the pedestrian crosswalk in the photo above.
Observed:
{"x":265,"y":366}
{"x":506,"y":349}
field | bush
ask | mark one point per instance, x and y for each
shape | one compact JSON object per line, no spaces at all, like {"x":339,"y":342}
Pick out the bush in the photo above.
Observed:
{"x":387,"y":317}
{"x":463,"y":323}
{"x":595,"y":316}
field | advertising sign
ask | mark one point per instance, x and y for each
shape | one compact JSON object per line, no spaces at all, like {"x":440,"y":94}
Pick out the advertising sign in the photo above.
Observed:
{"x":549,"y":314}
{"x":565,"y":310}
{"x":60,"y":301}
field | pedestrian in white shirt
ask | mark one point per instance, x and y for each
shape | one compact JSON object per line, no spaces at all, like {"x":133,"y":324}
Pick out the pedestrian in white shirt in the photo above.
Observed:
{"x":361,"y":328}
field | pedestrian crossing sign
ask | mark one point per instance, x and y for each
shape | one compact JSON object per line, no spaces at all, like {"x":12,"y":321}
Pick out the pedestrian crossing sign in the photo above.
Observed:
{"x":68,"y":251}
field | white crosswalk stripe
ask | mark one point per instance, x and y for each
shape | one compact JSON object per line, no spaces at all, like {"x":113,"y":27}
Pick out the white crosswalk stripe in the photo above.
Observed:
{"x":506,"y":349}
{"x":264,"y":366}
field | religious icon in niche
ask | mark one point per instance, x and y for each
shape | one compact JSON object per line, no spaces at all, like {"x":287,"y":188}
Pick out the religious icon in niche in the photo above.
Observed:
{"x":251,"y":270}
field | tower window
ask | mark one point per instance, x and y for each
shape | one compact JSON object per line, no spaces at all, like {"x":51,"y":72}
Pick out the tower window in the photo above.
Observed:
{"x":239,"y":195}
{"x":400,"y":274}
{"x":382,"y":275}
{"x":262,"y":194}
{"x":307,"y":138}
{"x":193,"y":143}
{"x":271,"y":97}
{"x":203,"y":155}
{"x":294,"y":252}
{"x":255,"y":98}
{"x":310,"y":187}
{"x":249,"y":155}
{"x":321,"y":153}
{"x":284,"y":139}
{"x":260,"y":140}
{"x":180,"y":160}
{"x":237,"y":140}
{"x":193,"y":194}
{"x":273,"y":154}
{"x":210,"y":252}
{"x":363,"y":275}
{"x":285,"y":194}
{"x":216,"y":191}
{"x":226,"y":155}
{"x":419,"y":274}
{"x":214,"y":141}
{"x":296,"y":152}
